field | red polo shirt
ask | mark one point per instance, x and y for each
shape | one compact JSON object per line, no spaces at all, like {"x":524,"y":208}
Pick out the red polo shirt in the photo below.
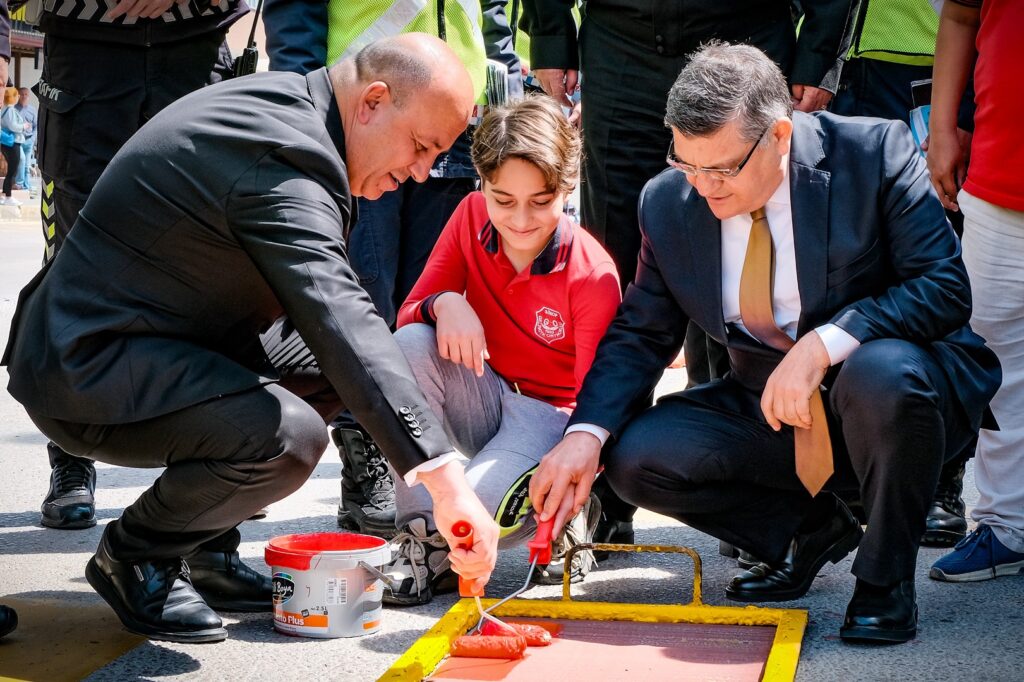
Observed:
{"x":541,"y":325}
{"x":996,"y":173}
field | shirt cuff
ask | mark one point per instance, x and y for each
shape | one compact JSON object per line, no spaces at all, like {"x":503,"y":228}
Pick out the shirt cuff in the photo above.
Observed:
{"x":411,"y":476}
{"x":839,"y":344}
{"x":602,"y":434}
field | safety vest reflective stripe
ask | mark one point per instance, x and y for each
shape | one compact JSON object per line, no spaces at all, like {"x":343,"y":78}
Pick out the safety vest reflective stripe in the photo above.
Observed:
{"x":395,"y":18}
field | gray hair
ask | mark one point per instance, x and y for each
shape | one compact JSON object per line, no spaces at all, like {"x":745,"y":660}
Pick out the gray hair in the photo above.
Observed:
{"x":724,"y":82}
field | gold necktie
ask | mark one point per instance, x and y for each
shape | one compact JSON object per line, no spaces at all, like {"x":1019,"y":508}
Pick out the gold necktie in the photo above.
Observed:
{"x":813,"y":446}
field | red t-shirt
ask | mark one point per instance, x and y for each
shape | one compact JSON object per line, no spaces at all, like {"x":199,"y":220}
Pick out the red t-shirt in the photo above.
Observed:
{"x":996,"y":172}
{"x":541,"y":325}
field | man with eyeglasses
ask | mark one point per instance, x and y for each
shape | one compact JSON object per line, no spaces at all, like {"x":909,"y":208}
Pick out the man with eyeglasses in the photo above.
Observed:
{"x":814,"y":248}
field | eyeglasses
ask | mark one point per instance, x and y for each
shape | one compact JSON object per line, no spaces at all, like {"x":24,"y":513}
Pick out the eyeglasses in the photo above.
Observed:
{"x":712,"y":173}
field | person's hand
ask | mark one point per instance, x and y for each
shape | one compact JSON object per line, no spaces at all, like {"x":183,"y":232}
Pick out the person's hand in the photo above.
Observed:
{"x":147,"y":9}
{"x":455,"y":501}
{"x":576,"y":115}
{"x":561,"y":485}
{"x":559,"y":83}
{"x":787,"y":394}
{"x":947,"y":165}
{"x":460,"y":336}
{"x":808,"y":98}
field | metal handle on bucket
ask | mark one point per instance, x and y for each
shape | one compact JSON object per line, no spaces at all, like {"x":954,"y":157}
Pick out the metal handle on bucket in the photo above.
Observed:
{"x":375,"y":572}
{"x":612,"y":547}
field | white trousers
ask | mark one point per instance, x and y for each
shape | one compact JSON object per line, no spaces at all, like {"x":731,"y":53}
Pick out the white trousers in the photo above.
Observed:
{"x":993,"y":251}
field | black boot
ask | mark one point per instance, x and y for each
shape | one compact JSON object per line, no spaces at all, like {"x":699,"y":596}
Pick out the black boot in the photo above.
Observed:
{"x":8,"y":620}
{"x":881,"y":615}
{"x":946,"y":524}
{"x":367,"y":491}
{"x":154,"y":598}
{"x":226,"y":584}
{"x":70,"y":503}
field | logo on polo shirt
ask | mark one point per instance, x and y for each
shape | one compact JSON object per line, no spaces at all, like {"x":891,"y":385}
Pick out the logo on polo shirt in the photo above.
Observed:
{"x":550,"y":326}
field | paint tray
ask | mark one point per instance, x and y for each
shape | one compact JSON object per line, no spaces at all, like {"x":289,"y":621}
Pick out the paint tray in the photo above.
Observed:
{"x":599,"y":641}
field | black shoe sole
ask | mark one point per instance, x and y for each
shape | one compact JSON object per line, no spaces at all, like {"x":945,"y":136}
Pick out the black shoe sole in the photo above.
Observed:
{"x":68,"y":525}
{"x":365,"y":525}
{"x":836,"y":553}
{"x":870,"y":635}
{"x":942,"y":538}
{"x":105,"y":588}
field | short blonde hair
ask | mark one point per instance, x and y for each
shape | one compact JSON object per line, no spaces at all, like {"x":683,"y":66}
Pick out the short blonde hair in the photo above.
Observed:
{"x":11,"y":96}
{"x":533,"y":129}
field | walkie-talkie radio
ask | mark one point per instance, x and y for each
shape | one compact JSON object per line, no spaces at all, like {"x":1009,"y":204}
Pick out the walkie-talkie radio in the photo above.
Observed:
{"x":245,"y":63}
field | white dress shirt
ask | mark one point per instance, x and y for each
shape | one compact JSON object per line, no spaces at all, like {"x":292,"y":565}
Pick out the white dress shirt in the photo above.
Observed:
{"x":786,"y":295}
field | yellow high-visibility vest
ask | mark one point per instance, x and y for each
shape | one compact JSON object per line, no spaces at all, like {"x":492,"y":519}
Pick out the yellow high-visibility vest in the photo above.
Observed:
{"x":901,"y":31}
{"x":354,"y":24}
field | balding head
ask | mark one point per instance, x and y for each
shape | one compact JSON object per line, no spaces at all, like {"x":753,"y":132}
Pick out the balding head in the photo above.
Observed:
{"x":415,"y":63}
{"x":403,"y":100}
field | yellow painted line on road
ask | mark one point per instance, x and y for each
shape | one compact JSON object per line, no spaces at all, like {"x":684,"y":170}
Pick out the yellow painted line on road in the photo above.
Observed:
{"x":59,"y":640}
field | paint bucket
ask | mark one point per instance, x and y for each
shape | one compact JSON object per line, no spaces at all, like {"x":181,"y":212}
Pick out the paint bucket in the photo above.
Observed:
{"x":327,"y":584}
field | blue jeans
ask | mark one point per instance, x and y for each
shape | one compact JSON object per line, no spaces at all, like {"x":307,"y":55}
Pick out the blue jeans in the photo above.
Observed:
{"x":26,"y":158}
{"x":395,"y":234}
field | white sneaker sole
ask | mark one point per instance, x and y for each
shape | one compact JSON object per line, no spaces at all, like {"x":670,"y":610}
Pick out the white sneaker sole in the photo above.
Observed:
{"x":1015,"y":568}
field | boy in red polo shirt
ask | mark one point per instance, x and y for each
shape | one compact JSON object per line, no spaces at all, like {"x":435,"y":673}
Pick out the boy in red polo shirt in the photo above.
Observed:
{"x":500,"y":330}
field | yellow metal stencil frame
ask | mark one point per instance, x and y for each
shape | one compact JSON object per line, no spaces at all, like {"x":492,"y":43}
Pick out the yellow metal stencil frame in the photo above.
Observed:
{"x":428,"y":651}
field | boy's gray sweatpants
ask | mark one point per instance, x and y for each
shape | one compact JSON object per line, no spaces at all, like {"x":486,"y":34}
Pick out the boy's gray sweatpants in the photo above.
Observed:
{"x":500,"y":433}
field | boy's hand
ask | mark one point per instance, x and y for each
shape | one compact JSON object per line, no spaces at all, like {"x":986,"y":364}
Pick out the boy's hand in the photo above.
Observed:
{"x":460,"y":336}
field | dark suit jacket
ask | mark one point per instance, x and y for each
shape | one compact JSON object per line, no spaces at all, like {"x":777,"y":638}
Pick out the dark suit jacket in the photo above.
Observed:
{"x":874,"y":256}
{"x":224,"y":212}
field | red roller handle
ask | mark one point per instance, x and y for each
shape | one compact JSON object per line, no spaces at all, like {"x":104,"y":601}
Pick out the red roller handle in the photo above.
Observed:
{"x":540,"y":545}
{"x":464,"y":532}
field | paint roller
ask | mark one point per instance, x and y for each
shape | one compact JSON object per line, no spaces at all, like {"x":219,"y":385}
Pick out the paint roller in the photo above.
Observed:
{"x":492,"y":637}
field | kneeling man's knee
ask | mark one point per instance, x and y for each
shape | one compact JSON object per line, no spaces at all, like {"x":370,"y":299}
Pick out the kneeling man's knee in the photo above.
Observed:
{"x":880,"y":379}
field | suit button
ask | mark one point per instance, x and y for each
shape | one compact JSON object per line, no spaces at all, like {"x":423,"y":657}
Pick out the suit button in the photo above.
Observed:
{"x":661,"y":49}
{"x":658,"y":38}
{"x":413,"y":424}
{"x":417,"y":432}
{"x":407,"y":416}
{"x":404,"y":410}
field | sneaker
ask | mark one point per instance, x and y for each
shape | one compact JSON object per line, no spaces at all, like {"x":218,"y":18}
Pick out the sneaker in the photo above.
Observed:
{"x":9,"y":201}
{"x":367,"y":492}
{"x":946,"y":524}
{"x":420,"y":567}
{"x":579,"y":530}
{"x":979,"y":556}
{"x":70,"y":503}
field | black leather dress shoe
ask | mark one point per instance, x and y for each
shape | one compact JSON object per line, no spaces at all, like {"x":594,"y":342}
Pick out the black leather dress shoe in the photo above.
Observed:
{"x":881,"y":614}
{"x":8,"y":620}
{"x":154,"y":598}
{"x":70,"y":503}
{"x":226,"y":584}
{"x":946,"y":524}
{"x":808,"y":552}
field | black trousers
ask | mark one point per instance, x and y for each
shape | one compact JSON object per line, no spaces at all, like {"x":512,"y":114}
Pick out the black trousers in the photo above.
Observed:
{"x":12,"y":155}
{"x":224,"y":458}
{"x":107,"y":92}
{"x":707,"y":457}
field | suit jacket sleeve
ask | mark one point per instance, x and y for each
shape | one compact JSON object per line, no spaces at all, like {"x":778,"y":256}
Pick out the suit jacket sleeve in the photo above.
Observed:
{"x":296,"y":34}
{"x":292,"y":229}
{"x":932,"y":297}
{"x":827,"y":27}
{"x":645,"y":336}
{"x":498,"y":43}
{"x":552,"y":31}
